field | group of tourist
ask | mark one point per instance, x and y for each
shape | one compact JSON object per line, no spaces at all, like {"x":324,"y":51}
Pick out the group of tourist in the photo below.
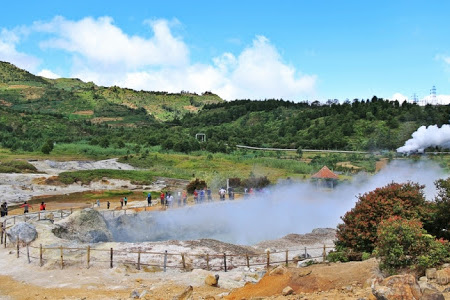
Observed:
{"x":167,"y":199}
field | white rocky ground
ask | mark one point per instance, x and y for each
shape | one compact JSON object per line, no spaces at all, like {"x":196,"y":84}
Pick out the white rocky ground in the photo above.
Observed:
{"x":16,"y":188}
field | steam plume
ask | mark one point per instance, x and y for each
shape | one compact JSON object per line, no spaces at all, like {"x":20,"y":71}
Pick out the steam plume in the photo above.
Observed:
{"x":294,"y":208}
{"x":426,"y":137}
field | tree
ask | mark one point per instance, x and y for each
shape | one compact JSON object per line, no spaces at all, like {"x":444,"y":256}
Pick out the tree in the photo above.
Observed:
{"x":440,"y":224}
{"x":299,"y":152}
{"x":47,"y":147}
{"x":359,"y":230}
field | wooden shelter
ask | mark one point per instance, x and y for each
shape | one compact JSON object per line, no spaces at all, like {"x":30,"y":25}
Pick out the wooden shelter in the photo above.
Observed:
{"x":325,"y":177}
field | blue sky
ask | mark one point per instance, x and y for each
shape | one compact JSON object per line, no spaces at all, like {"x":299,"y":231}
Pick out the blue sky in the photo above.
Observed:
{"x":296,"y":50}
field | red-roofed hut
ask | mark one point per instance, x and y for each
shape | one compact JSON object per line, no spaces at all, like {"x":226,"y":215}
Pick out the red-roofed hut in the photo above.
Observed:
{"x":325,"y":177}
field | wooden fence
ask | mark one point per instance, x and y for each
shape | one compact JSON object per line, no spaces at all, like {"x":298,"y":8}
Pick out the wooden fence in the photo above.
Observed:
{"x":88,"y":256}
{"x":64,"y":257}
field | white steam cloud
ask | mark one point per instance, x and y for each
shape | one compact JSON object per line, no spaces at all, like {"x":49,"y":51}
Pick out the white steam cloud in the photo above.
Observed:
{"x":426,"y":137}
{"x":284,"y":209}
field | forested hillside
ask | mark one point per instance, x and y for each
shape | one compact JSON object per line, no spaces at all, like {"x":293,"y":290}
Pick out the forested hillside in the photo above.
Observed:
{"x":35,"y":110}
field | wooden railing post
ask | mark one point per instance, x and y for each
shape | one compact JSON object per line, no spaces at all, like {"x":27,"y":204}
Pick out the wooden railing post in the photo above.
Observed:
{"x":225,"y":261}
{"x":287,"y":258}
{"x":88,"y":253}
{"x":207,"y":261}
{"x":28,"y":254}
{"x":324,"y":254}
{"x":248,"y":261}
{"x":17,"y":246}
{"x":184,"y":262}
{"x":139,"y":260}
{"x":14,"y":219}
{"x":1,"y":230}
{"x":39,"y":216}
{"x":62,"y":259}
{"x":268,"y":259}
{"x":41,"y":263}
{"x":165,"y":260}
{"x":111,"y":260}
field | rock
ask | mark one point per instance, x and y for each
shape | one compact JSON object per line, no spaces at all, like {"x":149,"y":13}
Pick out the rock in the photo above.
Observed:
{"x":426,"y":286}
{"x":280,"y":270}
{"x":186,"y":294}
{"x":430,"y":273}
{"x":221,"y":295}
{"x":143,"y":294}
{"x":134,"y":295}
{"x":86,"y":226}
{"x":432,"y":295}
{"x":443,"y":276}
{"x":287,"y":291}
{"x":423,"y":278}
{"x":212,"y":280}
{"x":396,"y":287}
{"x":24,"y":231}
{"x":447,"y":290}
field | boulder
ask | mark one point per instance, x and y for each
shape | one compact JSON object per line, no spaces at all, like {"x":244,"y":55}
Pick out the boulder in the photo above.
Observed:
{"x":186,"y":294}
{"x":396,"y":287}
{"x":134,"y":295}
{"x":280,"y":270}
{"x":25,"y":232}
{"x":429,"y":294}
{"x":443,"y":276}
{"x":86,"y":226}
{"x":287,"y":291}
{"x":430,"y":273}
{"x":212,"y":280}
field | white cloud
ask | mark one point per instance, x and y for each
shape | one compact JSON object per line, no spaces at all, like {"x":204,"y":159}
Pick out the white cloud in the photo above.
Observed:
{"x":258,"y":72}
{"x":444,"y":58}
{"x":102,"y":43}
{"x":8,"y":52}
{"x":399,"y":97}
{"x":103,"y":53}
{"x":48,"y":74}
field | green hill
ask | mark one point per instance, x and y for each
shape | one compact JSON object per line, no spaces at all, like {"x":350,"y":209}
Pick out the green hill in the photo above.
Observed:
{"x":34,"y":109}
{"x":75,"y":99}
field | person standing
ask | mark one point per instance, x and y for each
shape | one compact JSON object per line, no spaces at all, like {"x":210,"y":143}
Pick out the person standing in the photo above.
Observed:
{"x":202,"y":196}
{"x":125,"y":200}
{"x":98,"y":203}
{"x":149,"y":199}
{"x":162,"y":196}
{"x":184,"y":197}
{"x":170,"y":200}
{"x":3,"y":209}
{"x":42,"y":206}
{"x":179,"y":198}
{"x":121,"y":202}
{"x":107,"y":204}
{"x":195,"y":196}
{"x":209,"y":194}
{"x":26,"y":207}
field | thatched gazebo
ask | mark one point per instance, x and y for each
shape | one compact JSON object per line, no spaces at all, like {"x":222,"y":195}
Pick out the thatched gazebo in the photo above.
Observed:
{"x":325,"y":177}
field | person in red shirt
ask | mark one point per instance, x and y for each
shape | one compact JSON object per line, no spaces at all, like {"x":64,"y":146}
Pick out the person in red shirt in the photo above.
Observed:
{"x":25,"y":206}
{"x":162,"y":196}
{"x":42,"y":206}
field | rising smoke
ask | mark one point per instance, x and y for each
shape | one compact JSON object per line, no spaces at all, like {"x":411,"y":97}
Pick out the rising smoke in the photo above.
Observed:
{"x":426,"y":137}
{"x":285,"y":208}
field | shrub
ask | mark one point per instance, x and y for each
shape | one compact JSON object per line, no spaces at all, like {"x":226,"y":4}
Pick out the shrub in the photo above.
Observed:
{"x":365,"y":256}
{"x":335,"y":256}
{"x":359,"y":230}
{"x":404,"y":243}
{"x":195,"y":184}
{"x":441,"y":217}
{"x":47,"y":147}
